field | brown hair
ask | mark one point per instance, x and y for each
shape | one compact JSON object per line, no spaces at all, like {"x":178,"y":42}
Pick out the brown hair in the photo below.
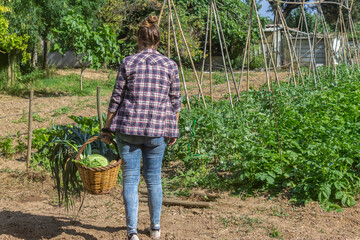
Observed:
{"x":148,"y":34}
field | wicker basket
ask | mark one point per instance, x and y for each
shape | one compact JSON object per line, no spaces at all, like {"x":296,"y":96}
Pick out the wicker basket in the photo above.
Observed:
{"x":99,"y":180}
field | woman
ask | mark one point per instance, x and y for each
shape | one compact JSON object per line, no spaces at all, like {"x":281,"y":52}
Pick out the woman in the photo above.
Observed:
{"x":143,"y":112}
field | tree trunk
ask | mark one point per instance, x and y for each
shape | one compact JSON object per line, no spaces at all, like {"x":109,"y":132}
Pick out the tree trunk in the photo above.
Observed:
{"x":9,"y":70}
{"x":45,"y":52}
{"x":34,"y":57}
{"x":81,"y":78}
{"x":13,"y":72}
{"x":285,"y":11}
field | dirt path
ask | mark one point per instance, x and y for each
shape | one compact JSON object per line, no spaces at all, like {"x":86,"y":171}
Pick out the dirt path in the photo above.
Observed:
{"x":28,"y":210}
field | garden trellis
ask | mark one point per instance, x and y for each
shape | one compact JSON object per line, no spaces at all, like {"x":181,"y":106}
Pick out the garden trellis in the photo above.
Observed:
{"x":337,"y":45}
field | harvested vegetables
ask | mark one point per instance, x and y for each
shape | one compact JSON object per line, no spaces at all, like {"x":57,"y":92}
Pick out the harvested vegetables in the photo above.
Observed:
{"x":95,"y":160}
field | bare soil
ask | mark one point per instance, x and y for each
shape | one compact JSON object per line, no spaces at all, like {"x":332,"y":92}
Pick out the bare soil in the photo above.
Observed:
{"x":28,"y":202}
{"x":28,"y":210}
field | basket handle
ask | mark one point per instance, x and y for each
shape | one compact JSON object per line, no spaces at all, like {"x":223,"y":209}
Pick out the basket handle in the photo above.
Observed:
{"x":93,"y":139}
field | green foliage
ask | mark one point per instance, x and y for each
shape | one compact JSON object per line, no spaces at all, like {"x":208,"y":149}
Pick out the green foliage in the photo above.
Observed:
{"x":11,"y":41}
{"x":93,"y":46}
{"x":257,"y":62}
{"x":238,"y":149}
{"x":6,"y":146}
{"x":9,"y":148}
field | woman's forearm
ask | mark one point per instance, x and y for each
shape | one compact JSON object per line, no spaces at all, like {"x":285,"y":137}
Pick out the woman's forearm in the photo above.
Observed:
{"x":109,"y":119}
{"x":177,"y":116}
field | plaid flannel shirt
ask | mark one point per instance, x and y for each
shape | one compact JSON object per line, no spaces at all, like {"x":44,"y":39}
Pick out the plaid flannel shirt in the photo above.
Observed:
{"x":146,"y":96}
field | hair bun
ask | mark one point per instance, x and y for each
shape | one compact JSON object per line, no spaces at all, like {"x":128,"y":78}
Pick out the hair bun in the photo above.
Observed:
{"x":152,"y":19}
{"x":149,"y":21}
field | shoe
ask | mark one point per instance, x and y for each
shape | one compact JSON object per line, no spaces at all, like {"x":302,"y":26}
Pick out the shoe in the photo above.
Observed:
{"x":154,"y":233}
{"x":133,"y":236}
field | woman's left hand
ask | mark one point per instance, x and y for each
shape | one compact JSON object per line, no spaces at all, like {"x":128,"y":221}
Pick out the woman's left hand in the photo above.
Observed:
{"x":171,"y":141}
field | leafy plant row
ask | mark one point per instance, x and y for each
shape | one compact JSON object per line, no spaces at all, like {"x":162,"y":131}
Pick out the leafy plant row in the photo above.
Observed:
{"x":238,"y":149}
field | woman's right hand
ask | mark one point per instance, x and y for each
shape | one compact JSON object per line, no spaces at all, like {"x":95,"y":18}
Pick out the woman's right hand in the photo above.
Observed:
{"x":108,"y":137}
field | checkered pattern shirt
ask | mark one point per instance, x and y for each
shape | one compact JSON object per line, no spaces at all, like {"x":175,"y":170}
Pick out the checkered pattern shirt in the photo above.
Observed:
{"x":146,"y":96}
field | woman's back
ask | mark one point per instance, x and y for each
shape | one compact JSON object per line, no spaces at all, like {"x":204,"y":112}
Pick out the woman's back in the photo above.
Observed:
{"x":151,"y":87}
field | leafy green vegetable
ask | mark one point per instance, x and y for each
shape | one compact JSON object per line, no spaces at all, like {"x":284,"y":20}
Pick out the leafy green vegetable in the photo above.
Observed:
{"x":95,"y":160}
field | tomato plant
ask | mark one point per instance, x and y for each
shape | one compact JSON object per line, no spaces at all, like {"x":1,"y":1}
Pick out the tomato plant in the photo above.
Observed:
{"x":239,"y":149}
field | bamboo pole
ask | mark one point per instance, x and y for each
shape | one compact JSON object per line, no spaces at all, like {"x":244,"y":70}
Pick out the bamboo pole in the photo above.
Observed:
{"x":188,"y":50}
{"x":227,"y":52}
{"x":353,"y":33}
{"x":345,"y":37}
{"x":309,"y":41}
{"x":205,"y":46}
{"x":263,"y":39}
{"x":222,"y":53}
{"x":297,"y":54}
{"x":30,"y":127}
{"x":351,"y":56}
{"x":169,"y":29}
{"x":307,"y":3}
{"x":274,"y":36}
{"x":326,"y":32}
{"x":210,"y":55}
{"x":246,"y":45}
{"x":356,"y":40}
{"x":98,"y":103}
{"x":314,"y":38}
{"x":289,"y":41}
{"x":180,"y":64}
{"x":161,"y":12}
{"x":338,"y":37}
{"x":248,"y":66}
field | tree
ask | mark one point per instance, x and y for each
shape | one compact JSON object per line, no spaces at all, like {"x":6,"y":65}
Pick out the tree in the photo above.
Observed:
{"x":331,"y":12}
{"x":294,"y":18}
{"x":286,"y":8}
{"x":93,"y":47}
{"x":124,"y":16}
{"x":10,"y":42}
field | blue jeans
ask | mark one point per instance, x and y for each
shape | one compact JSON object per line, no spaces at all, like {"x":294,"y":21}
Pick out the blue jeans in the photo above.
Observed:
{"x":151,"y":149}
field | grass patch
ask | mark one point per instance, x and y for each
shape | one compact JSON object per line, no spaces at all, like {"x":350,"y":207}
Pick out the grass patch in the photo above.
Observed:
{"x":61,"y":111}
{"x":58,"y":85}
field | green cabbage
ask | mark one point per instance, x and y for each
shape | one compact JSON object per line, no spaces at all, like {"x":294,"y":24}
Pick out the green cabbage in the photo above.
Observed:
{"x":95,"y":160}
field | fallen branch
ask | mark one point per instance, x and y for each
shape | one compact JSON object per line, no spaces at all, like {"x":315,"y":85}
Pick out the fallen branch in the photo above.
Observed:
{"x":206,"y":196}
{"x":202,"y":195}
{"x":172,"y":202}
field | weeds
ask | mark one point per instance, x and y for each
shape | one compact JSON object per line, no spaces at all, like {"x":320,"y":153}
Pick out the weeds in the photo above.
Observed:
{"x":279,"y":212}
{"x":9,"y":148}
{"x":24,"y":118}
{"x":274,"y":233}
{"x":61,"y":111}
